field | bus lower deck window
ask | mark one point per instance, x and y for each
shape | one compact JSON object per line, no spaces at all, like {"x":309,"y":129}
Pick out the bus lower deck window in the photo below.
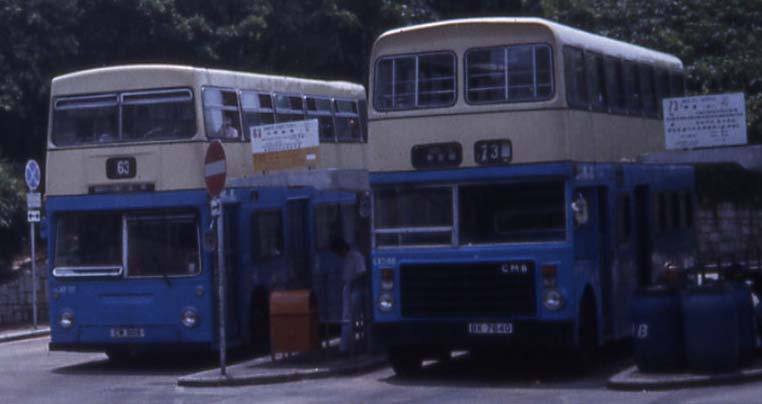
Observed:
{"x":88,"y":240}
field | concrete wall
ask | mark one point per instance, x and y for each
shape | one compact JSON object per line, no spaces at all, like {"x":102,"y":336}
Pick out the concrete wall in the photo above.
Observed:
{"x":16,"y":297}
{"x":729,"y":233}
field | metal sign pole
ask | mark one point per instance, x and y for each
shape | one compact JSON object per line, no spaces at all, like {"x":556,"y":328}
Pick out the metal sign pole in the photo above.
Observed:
{"x":34,"y":278}
{"x":221,"y":288}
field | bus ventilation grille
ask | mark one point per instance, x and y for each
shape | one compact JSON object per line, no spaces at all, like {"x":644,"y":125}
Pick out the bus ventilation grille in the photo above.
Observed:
{"x":470,"y":289}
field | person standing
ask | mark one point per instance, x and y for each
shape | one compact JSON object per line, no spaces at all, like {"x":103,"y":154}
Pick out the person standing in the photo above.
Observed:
{"x":353,"y":269}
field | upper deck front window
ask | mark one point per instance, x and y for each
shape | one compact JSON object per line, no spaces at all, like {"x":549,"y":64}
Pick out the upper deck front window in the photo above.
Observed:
{"x":509,"y":74}
{"x":415,"y":81}
{"x":126,"y":117}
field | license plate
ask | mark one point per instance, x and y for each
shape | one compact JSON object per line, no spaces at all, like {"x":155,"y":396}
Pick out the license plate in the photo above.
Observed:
{"x":490,"y":328}
{"x":128,"y":333}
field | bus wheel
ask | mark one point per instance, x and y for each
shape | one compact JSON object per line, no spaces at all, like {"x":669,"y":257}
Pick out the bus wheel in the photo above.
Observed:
{"x":405,"y":363}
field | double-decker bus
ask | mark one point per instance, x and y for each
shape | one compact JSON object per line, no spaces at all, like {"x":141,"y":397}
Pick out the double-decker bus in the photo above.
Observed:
{"x":127,"y":210}
{"x":496,"y":90}
{"x":499,"y":211}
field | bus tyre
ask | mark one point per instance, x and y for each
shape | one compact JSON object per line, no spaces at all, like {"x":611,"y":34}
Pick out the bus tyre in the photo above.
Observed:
{"x":405,"y":363}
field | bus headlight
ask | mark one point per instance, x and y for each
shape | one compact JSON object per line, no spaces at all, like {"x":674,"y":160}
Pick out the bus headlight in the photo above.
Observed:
{"x":190,"y":318}
{"x":66,"y":320}
{"x":553,"y":300}
{"x":387,"y":278}
{"x":385,"y":302}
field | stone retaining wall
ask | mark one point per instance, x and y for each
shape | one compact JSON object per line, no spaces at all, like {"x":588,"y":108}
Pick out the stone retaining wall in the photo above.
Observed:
{"x":16,"y":297}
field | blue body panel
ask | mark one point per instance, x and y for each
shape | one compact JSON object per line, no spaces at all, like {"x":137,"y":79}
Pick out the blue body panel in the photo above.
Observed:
{"x":154,"y":305}
{"x":596,"y":259}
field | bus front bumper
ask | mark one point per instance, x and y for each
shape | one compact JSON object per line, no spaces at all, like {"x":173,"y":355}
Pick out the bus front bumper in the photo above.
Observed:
{"x":466,"y":335}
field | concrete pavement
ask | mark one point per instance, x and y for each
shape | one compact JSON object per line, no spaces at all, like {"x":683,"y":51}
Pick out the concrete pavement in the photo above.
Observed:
{"x":299,"y":367}
{"x":23,"y":332}
{"x":632,"y":379}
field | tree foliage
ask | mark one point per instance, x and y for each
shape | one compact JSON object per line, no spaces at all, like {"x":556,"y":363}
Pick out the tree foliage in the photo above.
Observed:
{"x":330,"y":39}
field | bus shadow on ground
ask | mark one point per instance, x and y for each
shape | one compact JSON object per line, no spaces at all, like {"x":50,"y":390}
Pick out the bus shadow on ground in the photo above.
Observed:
{"x":155,"y":363}
{"x":525,"y":368}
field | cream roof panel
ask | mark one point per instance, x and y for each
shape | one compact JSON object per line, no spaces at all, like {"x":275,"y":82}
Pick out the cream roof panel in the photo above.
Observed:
{"x":134,"y":77}
{"x":563,"y":34}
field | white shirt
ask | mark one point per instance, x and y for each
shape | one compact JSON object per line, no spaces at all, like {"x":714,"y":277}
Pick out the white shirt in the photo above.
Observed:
{"x":354,"y":266}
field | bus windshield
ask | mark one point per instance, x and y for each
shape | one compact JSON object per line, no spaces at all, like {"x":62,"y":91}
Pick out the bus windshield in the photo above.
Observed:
{"x":507,"y":213}
{"x":413,"y":216}
{"x":154,"y":244}
{"x":123,"y":117}
{"x":487,"y":214}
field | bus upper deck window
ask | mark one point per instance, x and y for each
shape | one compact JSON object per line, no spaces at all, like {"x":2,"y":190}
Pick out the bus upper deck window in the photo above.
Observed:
{"x":288,"y":108}
{"x":221,"y":113}
{"x":320,"y":108}
{"x":160,"y":114}
{"x":647,"y":91}
{"x":417,"y":81}
{"x":514,"y":73}
{"x":257,"y":110}
{"x":576,"y":78}
{"x":632,"y":88}
{"x":348,"y":125}
{"x":83,"y":120}
{"x":596,"y":80}
{"x":615,"y":85}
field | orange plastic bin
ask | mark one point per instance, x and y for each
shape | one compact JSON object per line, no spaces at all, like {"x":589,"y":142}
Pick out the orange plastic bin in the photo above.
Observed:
{"x":293,"y":321}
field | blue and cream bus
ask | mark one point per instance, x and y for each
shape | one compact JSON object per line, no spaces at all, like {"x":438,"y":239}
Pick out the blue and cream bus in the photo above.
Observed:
{"x":127,"y":210}
{"x":499,"y":211}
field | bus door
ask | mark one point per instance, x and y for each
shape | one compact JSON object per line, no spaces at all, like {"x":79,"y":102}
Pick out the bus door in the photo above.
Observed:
{"x":297,"y":243}
{"x":232,"y":270}
{"x":591,"y":242}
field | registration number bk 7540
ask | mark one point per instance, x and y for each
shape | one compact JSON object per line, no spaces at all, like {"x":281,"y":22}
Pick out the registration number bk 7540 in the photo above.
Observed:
{"x":490,"y":328}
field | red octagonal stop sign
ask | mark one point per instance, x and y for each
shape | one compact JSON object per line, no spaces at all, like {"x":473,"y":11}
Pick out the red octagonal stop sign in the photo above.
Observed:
{"x":215,"y":169}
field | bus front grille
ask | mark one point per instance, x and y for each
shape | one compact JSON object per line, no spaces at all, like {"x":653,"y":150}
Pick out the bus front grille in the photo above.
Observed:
{"x":470,"y":289}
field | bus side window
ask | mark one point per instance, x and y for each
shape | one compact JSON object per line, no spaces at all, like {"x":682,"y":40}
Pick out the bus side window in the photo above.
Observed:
{"x":320,"y":108}
{"x":688,"y":207}
{"x":632,"y":88}
{"x":576,"y":78}
{"x":257,"y":110}
{"x":221,"y":114}
{"x":676,"y":211}
{"x":288,"y":108}
{"x":662,"y":89}
{"x":596,"y":80}
{"x":347,"y":121}
{"x":677,"y":84}
{"x":660,"y":203}
{"x":624,"y":228}
{"x":647,"y":92}
{"x":615,"y":85}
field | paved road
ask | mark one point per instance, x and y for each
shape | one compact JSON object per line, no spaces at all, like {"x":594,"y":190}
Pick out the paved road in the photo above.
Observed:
{"x":30,"y":374}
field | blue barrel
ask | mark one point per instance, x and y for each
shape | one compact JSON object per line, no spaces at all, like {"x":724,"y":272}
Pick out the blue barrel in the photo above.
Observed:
{"x":657,"y":329}
{"x":746,"y":322}
{"x":710,"y":327}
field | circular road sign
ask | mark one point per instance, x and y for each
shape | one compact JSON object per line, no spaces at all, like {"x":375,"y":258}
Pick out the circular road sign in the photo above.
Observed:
{"x":32,"y":175}
{"x":215,"y":169}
